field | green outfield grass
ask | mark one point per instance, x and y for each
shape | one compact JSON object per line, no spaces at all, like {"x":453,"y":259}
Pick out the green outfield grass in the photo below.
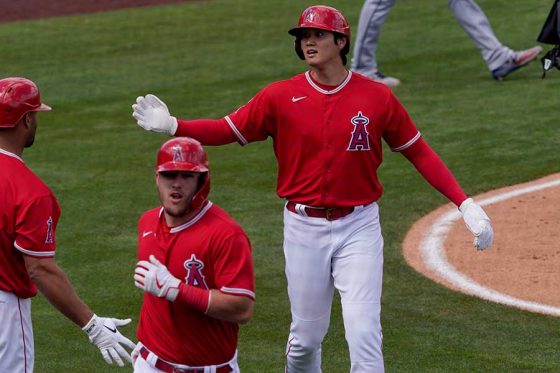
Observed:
{"x":207,"y":58}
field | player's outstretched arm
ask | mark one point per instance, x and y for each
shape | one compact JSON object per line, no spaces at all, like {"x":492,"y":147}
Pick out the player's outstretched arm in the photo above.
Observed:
{"x":432,"y":168}
{"x":152,"y":114}
{"x":55,"y":286}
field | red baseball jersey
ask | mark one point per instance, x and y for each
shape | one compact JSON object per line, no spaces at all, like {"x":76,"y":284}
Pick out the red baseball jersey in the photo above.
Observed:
{"x":210,"y":251}
{"x":327,"y":140}
{"x":29,"y":213}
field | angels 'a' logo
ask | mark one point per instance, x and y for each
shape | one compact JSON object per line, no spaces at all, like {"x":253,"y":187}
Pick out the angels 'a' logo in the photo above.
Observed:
{"x":49,"y":235}
{"x":194,"y":272}
{"x":177,"y":154}
{"x":360,"y":138}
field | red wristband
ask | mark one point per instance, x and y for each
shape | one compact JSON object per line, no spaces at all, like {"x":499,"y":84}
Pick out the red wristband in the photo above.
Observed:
{"x":197,"y":298}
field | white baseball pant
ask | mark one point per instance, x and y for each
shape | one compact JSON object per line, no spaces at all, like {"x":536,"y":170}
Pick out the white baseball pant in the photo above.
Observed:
{"x":344,"y":254}
{"x":17,"y":353}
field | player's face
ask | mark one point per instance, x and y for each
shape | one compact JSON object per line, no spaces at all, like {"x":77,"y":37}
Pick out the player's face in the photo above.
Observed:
{"x":176,"y":190}
{"x":319,"y":47}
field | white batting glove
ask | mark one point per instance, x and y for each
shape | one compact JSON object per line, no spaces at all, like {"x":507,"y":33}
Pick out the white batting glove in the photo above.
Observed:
{"x":154,"y":278}
{"x":478,"y":223}
{"x":103,"y":333}
{"x":153,"y":115}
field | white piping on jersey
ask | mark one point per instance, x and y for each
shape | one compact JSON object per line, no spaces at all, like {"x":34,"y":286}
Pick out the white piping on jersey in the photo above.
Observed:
{"x":403,"y":147}
{"x":324,"y":91}
{"x":237,"y":291}
{"x":190,"y":222}
{"x":34,"y":253}
{"x":236,"y":131}
{"x":10,"y":154}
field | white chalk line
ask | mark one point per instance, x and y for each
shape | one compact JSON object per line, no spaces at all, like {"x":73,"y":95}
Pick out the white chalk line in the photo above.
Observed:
{"x":431,"y":250}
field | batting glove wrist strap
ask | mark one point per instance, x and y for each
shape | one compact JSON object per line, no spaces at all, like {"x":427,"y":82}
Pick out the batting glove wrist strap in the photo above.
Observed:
{"x":103,"y":333}
{"x":153,"y":277}
{"x":196,"y":298}
{"x":478,"y":223}
{"x":152,"y":114}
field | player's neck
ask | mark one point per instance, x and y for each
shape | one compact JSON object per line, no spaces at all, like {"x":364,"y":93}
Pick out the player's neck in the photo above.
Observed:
{"x":331,"y":74}
{"x":175,"y":221}
{"x":8,"y":144}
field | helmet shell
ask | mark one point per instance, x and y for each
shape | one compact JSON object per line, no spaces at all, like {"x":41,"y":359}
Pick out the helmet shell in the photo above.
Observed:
{"x":18,"y":96}
{"x":186,"y":154}
{"x":324,"y":18}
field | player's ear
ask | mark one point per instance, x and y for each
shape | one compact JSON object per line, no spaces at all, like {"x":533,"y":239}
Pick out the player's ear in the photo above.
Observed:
{"x":341,"y":42}
{"x":27,"y":120}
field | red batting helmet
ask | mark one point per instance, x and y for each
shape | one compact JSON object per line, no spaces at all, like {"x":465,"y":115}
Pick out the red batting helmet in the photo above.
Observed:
{"x":17,"y":97}
{"x":186,"y":154}
{"x":324,"y":18}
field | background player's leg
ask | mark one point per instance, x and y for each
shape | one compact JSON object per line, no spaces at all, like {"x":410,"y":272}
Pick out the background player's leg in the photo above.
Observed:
{"x":358,"y":275}
{"x":475,"y":23}
{"x":307,"y":249}
{"x":372,"y":17}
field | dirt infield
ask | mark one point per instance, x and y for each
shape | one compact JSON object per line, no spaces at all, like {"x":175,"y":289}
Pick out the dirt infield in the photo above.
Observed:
{"x":17,"y":10}
{"x":521,"y":269}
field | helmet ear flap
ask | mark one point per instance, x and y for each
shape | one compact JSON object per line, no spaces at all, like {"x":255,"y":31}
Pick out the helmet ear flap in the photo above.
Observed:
{"x":200,"y":198}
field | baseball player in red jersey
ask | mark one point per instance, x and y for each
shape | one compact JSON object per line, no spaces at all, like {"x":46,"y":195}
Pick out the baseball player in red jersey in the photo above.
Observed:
{"x":29,"y":214}
{"x":195,"y":268}
{"x":327,"y":125}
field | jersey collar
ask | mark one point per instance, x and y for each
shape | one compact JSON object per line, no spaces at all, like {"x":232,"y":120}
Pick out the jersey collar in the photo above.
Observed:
{"x":324,"y":91}
{"x":191,"y":222}
{"x":2,"y":151}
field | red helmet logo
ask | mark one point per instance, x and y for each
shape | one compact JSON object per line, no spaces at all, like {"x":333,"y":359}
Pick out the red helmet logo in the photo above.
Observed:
{"x":18,"y":96}
{"x":186,"y":154}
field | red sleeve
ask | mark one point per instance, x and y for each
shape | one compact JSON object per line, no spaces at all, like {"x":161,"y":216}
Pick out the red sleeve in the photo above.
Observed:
{"x":251,"y":122}
{"x":234,"y":267}
{"x":35,"y":227}
{"x":401,"y":131}
{"x":432,"y":168}
{"x":207,"y":131}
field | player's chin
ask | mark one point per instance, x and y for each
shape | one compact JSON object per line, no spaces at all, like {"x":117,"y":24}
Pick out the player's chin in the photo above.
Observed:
{"x":176,"y":209}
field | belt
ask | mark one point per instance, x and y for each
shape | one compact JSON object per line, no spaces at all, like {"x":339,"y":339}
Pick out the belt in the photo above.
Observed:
{"x":330,"y":213}
{"x":170,"y":368}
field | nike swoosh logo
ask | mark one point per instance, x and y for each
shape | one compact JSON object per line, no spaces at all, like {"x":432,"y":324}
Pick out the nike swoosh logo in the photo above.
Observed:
{"x":296,"y":99}
{"x":146,"y":234}
{"x":111,"y":329}
{"x":159,"y":286}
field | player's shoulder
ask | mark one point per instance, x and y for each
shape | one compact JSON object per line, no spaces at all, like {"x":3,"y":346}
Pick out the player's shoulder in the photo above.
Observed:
{"x":222,"y":221}
{"x":24,"y":181}
{"x":282,"y":85}
{"x":151,"y":215}
{"x":367,"y":83}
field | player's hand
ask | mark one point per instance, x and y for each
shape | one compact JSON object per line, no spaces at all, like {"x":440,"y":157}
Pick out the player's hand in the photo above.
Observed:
{"x":103,"y":333}
{"x":478,"y":223}
{"x":154,"y":278}
{"x":153,"y":115}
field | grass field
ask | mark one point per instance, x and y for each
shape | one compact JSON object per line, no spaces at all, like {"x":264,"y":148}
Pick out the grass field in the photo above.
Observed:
{"x":207,"y":58}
